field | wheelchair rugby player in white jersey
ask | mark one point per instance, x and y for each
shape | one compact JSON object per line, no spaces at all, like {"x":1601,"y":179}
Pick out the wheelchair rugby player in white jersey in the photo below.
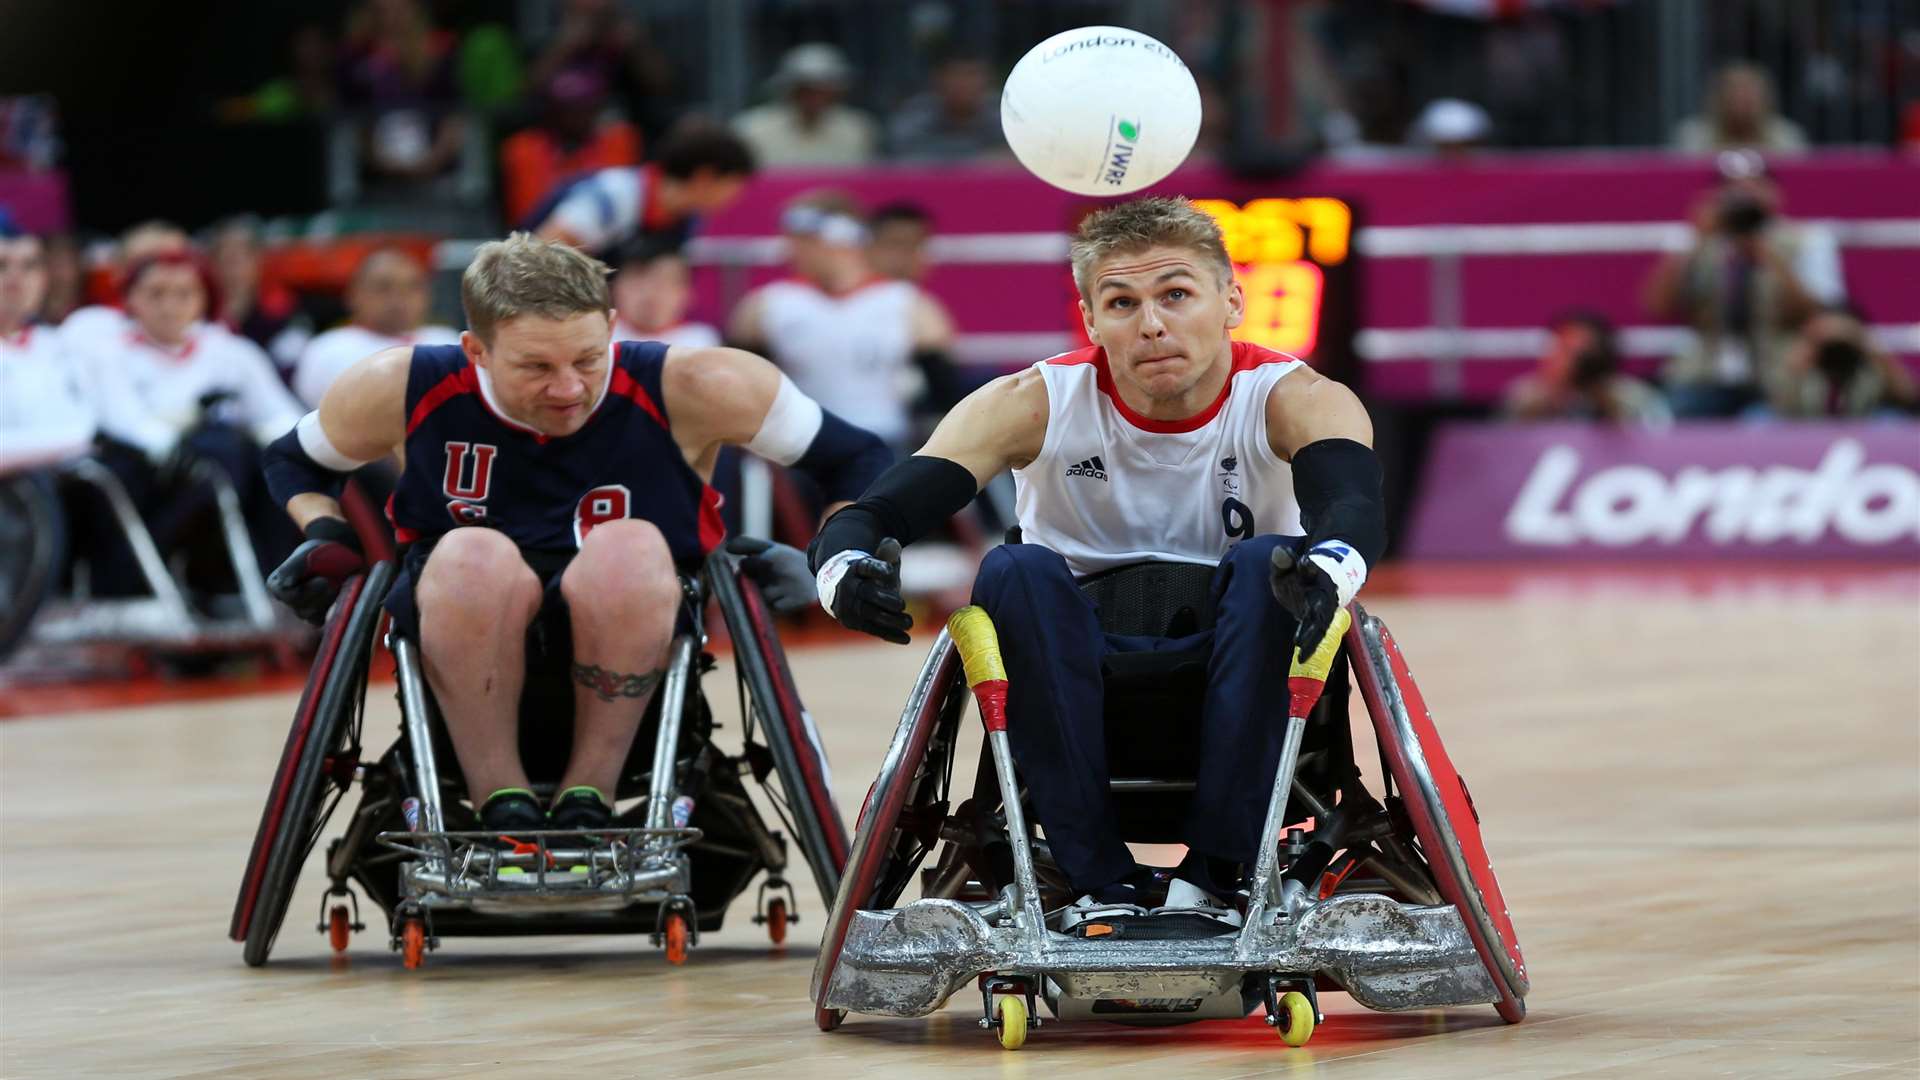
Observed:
{"x":1165,"y":477}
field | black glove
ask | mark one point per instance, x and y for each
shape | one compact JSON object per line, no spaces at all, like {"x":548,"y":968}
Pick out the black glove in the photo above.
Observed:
{"x":311,"y":577}
{"x":780,"y":571}
{"x":1308,"y":594}
{"x":866,"y":597}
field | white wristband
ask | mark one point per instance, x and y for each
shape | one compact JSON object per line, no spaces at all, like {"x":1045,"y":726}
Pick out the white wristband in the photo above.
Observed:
{"x":1343,"y":566}
{"x":828,"y":579}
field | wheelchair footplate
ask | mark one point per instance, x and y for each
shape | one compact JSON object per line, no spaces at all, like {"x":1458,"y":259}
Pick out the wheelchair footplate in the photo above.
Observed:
{"x":541,"y":871}
{"x":1389,"y":956}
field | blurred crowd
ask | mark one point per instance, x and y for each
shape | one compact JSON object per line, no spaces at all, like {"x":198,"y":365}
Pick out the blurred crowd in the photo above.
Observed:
{"x":165,"y":359}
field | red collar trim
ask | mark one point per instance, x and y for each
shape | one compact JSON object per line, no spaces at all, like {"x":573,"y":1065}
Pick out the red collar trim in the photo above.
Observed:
{"x":176,"y":353}
{"x":1245,"y":357}
{"x":21,"y":339}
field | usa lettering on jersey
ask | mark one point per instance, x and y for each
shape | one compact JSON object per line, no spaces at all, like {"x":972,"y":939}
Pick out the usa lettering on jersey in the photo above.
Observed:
{"x":469,"y":478}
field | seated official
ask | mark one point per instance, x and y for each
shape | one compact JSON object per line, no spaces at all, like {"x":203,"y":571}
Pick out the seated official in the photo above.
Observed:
{"x":555,"y":488}
{"x":1164,"y":441}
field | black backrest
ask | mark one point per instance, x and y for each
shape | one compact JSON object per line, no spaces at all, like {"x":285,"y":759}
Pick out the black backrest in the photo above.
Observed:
{"x":1156,"y":599}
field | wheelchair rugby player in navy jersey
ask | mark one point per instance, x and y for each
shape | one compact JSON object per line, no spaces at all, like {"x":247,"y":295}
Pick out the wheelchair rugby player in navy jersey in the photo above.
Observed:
{"x":559,"y":542}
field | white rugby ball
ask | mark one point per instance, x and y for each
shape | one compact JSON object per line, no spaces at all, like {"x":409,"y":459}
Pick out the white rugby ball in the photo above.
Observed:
{"x":1101,"y":110}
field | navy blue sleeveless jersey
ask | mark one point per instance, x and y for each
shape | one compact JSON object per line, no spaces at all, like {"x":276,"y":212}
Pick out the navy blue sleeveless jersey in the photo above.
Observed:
{"x":467,"y":463}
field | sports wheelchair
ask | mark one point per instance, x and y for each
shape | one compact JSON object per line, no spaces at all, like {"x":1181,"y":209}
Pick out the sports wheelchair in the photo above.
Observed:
{"x":668,"y":866}
{"x":1389,"y":897}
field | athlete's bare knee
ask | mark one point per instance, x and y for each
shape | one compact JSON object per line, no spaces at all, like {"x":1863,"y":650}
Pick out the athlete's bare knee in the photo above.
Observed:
{"x":479,"y":570}
{"x":624,"y":565}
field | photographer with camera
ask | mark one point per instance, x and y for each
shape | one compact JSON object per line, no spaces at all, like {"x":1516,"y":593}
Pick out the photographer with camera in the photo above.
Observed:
{"x":1745,"y":284}
{"x":1579,"y":378}
{"x":1833,"y":369}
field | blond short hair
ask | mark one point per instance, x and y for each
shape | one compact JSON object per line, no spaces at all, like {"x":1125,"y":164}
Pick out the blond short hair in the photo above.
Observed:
{"x":1132,"y":227}
{"x":525,"y":275}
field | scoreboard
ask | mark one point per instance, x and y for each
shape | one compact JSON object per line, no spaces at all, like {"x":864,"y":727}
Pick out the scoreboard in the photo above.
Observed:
{"x":1293,"y":259}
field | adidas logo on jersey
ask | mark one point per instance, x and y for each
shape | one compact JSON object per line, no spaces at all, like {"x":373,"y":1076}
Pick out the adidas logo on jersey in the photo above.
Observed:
{"x":1093,"y":467}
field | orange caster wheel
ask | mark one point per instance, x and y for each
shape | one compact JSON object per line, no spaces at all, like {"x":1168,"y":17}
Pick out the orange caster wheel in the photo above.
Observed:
{"x":828,"y":1019}
{"x":413,"y":943}
{"x":676,"y":932}
{"x":777,"y":921}
{"x":339,"y":928}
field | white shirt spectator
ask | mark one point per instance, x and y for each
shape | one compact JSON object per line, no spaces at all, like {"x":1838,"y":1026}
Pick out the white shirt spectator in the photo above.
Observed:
{"x":44,"y":412}
{"x":843,"y":136}
{"x":330,"y":354}
{"x":151,"y":394}
{"x":609,"y":207}
{"x":686,"y":335}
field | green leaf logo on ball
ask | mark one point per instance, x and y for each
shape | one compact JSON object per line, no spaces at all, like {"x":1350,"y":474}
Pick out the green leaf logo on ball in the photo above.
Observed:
{"x":1128,"y":131}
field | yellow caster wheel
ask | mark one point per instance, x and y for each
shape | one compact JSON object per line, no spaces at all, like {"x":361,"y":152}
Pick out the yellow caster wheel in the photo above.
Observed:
{"x":1295,"y":1022}
{"x":1011,"y":1012}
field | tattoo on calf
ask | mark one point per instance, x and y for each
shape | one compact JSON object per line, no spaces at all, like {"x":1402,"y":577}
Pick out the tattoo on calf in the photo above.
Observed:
{"x":609,"y":685}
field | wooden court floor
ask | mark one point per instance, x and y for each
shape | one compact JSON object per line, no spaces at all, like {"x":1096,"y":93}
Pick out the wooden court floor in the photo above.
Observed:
{"x":1704,"y":807}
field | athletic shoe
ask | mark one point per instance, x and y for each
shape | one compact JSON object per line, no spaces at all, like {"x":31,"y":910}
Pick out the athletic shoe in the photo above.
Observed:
{"x":1186,"y":898}
{"x":1090,"y":910}
{"x":511,"y":810}
{"x":580,"y":807}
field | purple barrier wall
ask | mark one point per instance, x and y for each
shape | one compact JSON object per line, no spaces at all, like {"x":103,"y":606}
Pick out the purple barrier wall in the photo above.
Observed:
{"x":1697,"y":491}
{"x":1393,"y":293}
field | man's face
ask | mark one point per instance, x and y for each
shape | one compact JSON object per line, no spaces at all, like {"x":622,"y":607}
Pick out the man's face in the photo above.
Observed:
{"x":23,"y":280}
{"x":709,"y":192}
{"x":961,"y":85}
{"x":389,"y":295}
{"x":236,"y":260}
{"x":653,"y":295}
{"x":1564,"y":344}
{"x":167,"y":301}
{"x":549,"y":373}
{"x":899,"y":249}
{"x":1162,"y":315}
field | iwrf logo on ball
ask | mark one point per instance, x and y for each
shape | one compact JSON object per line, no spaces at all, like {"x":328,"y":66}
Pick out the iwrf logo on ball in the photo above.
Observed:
{"x":1123,"y":136}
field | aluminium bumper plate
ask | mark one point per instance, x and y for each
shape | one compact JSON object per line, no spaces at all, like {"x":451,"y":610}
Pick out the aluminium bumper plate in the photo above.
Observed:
{"x":1388,"y":956}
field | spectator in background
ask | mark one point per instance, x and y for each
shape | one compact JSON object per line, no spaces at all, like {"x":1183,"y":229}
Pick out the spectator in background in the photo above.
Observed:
{"x":698,"y":169}
{"x":1834,"y":369}
{"x":386,"y":306}
{"x":1748,"y":279}
{"x":309,"y":87}
{"x":652,"y":289}
{"x":867,"y":349}
{"x":1739,"y":116}
{"x":44,"y":414}
{"x":1452,"y":128}
{"x":897,"y":246}
{"x":262,"y":313}
{"x":177,"y":390}
{"x":956,"y":119}
{"x":96,"y":327}
{"x":599,"y":41}
{"x":808,"y":124}
{"x":397,"y":74}
{"x":66,"y":278}
{"x":1579,"y":378}
{"x":576,"y":135}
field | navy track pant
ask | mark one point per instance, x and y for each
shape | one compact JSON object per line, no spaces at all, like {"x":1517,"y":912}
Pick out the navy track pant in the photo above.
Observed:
{"x":1052,"y":643}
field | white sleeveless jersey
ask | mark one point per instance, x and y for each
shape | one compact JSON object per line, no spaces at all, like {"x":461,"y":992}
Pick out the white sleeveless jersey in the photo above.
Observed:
{"x":1111,"y":487}
{"x":852,"y":353}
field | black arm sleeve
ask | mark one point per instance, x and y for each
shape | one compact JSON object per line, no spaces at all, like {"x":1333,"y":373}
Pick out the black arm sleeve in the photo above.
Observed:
{"x":1337,"y":482}
{"x":943,"y":380}
{"x":290,"y":471}
{"x":905,"y":503}
{"x":843,"y":459}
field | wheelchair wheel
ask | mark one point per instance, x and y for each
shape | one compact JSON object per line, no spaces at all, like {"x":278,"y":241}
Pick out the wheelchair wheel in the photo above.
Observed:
{"x":32,"y":550}
{"x":315,"y":766}
{"x":1439,"y":805}
{"x":772,"y":703}
{"x":899,"y":821}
